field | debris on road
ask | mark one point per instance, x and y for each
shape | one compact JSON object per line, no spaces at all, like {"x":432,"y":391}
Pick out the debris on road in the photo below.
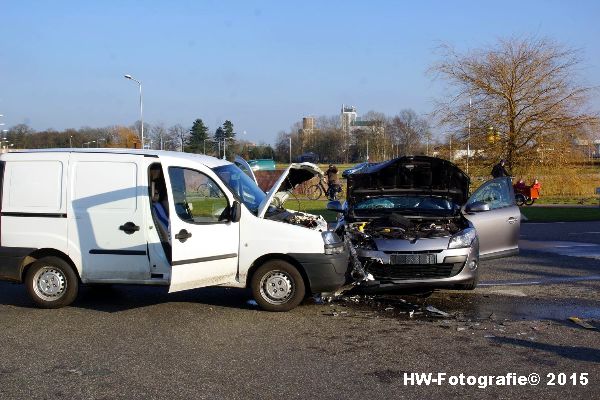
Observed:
{"x":435,"y":311}
{"x":581,"y":323}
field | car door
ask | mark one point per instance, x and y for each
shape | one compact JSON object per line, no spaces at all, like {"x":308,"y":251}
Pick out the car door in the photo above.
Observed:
{"x":106,"y":217}
{"x":244,"y":166}
{"x":498,"y":227}
{"x":205,"y":242}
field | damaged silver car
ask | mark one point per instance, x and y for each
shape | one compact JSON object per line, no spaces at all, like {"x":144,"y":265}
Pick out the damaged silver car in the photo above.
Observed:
{"x":411,"y":224}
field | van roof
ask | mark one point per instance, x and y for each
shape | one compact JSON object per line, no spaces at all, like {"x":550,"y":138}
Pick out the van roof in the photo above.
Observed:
{"x":209,"y":161}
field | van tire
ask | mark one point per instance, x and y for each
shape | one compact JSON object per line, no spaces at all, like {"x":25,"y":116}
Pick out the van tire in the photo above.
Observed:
{"x":285,"y":279}
{"x":62,"y":281}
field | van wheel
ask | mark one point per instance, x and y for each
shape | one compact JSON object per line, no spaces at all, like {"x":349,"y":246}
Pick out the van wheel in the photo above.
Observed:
{"x":277,"y":286}
{"x":51,"y":283}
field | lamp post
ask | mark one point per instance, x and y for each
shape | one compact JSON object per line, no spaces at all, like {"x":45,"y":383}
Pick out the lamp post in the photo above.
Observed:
{"x":141,"y":106}
{"x":71,"y":141}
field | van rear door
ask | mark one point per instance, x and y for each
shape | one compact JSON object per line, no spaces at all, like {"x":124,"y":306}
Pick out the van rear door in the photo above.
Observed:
{"x":106,"y":217}
{"x":204,"y":240}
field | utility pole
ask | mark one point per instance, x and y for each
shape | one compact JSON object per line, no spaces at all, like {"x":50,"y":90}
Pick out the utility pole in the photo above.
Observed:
{"x":290,"y":149}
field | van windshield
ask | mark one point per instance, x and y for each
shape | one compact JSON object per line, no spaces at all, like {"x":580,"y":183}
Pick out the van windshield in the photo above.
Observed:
{"x":242,"y":186}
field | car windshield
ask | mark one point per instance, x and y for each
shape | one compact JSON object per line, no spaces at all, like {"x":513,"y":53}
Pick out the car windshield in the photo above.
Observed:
{"x":411,"y":204}
{"x":242,"y":186}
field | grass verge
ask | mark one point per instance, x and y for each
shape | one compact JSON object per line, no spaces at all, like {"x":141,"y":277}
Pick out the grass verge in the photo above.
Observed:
{"x":560,"y":214}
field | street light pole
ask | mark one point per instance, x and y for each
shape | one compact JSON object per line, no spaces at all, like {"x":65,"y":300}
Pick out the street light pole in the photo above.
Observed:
{"x":141,"y":105}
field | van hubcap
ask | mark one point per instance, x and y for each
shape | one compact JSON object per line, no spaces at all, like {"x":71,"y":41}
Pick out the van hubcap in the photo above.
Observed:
{"x":49,"y":283}
{"x":276,"y":287}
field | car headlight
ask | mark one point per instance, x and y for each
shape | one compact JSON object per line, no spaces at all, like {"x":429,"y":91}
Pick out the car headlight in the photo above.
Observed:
{"x":462,"y":239}
{"x":333,"y":243}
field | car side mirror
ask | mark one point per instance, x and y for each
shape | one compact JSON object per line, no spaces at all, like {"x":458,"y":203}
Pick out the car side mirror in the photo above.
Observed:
{"x":335,"y":205}
{"x":236,"y":212}
{"x":477,"y":206}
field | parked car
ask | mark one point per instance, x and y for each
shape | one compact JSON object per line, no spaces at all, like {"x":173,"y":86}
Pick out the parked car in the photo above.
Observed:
{"x":356,"y":168}
{"x":413,"y":226}
{"x":158,"y":218}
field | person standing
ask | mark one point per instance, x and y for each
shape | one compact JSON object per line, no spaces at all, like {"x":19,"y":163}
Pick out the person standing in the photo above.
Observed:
{"x":333,"y":182}
{"x":499,"y":170}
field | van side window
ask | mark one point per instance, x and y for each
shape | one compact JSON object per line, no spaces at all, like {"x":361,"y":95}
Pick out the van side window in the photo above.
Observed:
{"x":197,"y":198}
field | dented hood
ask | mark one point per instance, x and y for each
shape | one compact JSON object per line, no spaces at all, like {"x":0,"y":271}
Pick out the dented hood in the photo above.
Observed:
{"x":294,"y":175}
{"x":412,"y":175}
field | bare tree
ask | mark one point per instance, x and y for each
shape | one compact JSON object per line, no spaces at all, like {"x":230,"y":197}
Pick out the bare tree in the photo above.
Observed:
{"x":179,"y":135}
{"x":158,"y":134}
{"x":408,"y":131}
{"x":524,"y":93}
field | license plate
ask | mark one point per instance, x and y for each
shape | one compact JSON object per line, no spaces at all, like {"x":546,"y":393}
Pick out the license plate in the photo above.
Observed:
{"x":412,"y":259}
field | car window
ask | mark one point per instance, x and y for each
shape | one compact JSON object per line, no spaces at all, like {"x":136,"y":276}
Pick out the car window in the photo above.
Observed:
{"x":244,"y":188}
{"x":496,"y":193}
{"x":197,"y":198}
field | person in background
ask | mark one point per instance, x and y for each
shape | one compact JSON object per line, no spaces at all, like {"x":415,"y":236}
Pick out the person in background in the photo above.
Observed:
{"x":520,"y":186}
{"x":499,"y":171}
{"x":333,"y":182}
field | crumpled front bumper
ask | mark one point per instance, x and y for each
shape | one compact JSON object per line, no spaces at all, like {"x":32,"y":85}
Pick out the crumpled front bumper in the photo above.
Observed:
{"x":388,"y":276}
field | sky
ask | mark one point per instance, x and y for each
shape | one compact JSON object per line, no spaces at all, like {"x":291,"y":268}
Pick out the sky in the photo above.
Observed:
{"x":261,"y":64}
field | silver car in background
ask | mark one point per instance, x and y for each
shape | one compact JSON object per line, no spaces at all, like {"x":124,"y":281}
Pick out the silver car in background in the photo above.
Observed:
{"x":413,"y":226}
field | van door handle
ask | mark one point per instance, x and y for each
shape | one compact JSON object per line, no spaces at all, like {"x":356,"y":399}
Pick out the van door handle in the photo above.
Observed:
{"x":129,"y":228}
{"x":183,"y":235}
{"x":512,"y":220}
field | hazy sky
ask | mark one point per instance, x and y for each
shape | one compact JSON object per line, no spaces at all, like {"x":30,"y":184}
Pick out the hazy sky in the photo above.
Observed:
{"x":261,"y":64}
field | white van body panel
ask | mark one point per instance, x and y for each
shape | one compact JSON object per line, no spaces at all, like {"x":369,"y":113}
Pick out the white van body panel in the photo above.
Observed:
{"x":34,"y":201}
{"x":259,"y":237}
{"x":107,"y":191}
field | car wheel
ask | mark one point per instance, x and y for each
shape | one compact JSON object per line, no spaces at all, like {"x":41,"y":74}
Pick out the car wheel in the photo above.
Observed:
{"x":313,"y":192}
{"x":277,"y":286}
{"x":51,"y":283}
{"x":519,"y":199}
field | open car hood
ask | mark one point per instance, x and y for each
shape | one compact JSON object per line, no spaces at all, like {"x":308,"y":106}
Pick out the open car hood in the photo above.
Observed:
{"x":411,"y":175}
{"x":294,"y":175}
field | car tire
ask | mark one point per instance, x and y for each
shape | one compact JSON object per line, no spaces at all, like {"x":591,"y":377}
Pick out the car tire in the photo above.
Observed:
{"x":51,"y":283}
{"x":277,"y":286}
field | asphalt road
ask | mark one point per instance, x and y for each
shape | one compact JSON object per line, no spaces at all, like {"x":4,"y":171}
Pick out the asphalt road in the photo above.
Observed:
{"x":140,"y":342}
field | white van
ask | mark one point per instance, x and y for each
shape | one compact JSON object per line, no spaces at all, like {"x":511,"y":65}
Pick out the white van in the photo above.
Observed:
{"x":158,"y":218}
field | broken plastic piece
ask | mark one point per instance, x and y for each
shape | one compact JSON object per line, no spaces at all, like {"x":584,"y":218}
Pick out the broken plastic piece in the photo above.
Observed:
{"x":434,"y":310}
{"x":581,"y":323}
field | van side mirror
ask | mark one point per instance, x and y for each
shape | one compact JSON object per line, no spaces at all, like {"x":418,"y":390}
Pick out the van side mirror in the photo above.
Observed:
{"x":477,"y":206}
{"x":336,"y":206}
{"x":236,"y":212}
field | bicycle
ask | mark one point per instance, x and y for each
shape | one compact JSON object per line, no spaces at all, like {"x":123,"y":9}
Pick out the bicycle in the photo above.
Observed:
{"x":333,"y":192}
